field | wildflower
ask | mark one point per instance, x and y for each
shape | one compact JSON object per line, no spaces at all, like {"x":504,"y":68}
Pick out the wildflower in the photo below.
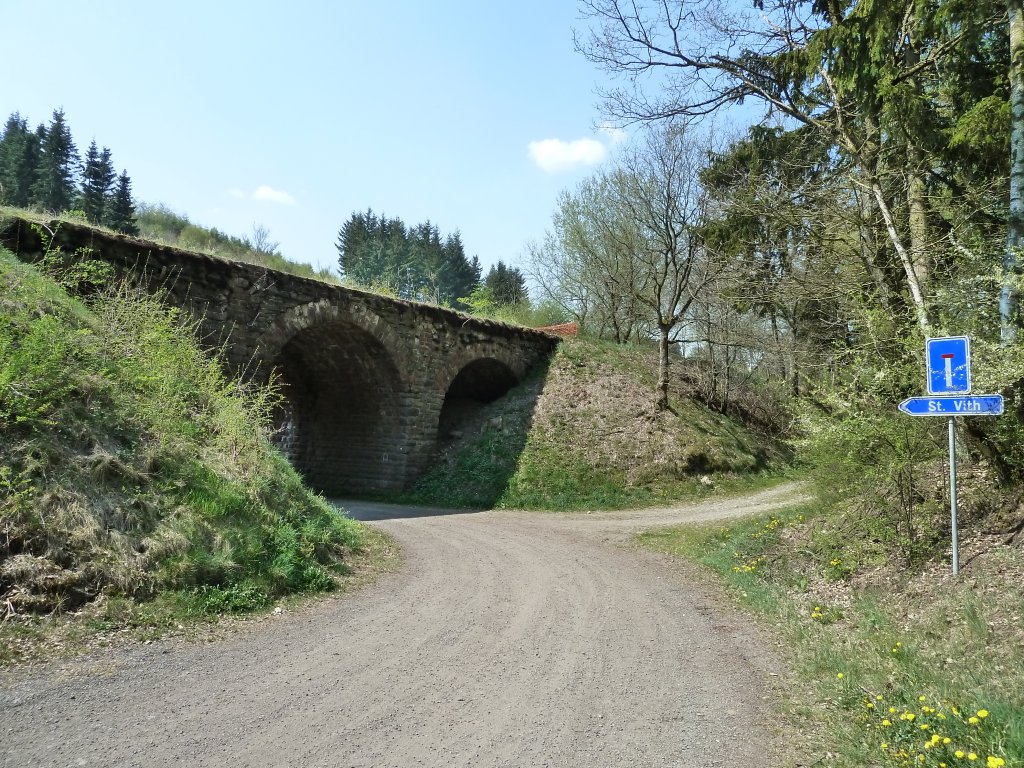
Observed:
{"x":892,"y":710}
{"x":924,"y":726}
{"x":869,"y":704}
{"x":946,"y":739}
{"x":921,"y":698}
{"x":884,"y":746}
{"x":982,"y":713}
{"x":995,"y":762}
{"x":959,"y":753}
{"x":840,"y":675}
{"x":878,"y":697}
{"x":886,"y":723}
{"x":973,"y":720}
{"x":971,"y":756}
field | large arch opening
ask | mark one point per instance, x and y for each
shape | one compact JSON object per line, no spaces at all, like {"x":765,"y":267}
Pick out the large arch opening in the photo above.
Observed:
{"x":480,"y":382}
{"x":339,"y":423}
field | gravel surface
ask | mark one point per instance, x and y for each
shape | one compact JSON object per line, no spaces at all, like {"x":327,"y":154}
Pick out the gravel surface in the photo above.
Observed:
{"x":505,"y":639}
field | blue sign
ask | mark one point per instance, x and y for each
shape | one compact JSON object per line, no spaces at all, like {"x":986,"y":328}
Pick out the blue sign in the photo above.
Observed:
{"x":976,"y":405}
{"x":949,"y":365}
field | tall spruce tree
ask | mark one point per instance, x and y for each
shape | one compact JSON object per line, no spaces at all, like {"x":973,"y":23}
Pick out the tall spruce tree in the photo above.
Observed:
{"x":19,"y":162}
{"x":54,"y":188}
{"x":507,"y":285}
{"x":120,"y":210}
{"x":97,"y":183}
{"x":411,"y":262}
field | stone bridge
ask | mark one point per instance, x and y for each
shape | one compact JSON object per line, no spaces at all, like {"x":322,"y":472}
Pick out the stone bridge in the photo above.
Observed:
{"x":370,"y":383}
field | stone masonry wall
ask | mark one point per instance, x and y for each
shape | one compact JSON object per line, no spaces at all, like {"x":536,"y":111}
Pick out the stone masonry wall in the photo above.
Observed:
{"x":365,"y":375}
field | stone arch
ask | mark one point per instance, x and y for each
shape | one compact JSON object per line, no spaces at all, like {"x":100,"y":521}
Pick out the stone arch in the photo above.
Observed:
{"x":341,"y":422}
{"x":477,"y":380}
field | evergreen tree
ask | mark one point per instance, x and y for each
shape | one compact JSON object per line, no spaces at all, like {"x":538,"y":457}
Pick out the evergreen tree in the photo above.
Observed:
{"x":19,"y":162}
{"x":411,"y":262}
{"x":120,"y":213}
{"x":507,"y":285}
{"x":97,"y":182}
{"x":461,"y":275}
{"x":54,"y":188}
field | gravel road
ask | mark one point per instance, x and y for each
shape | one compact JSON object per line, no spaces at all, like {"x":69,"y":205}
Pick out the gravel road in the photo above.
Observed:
{"x":505,"y":639}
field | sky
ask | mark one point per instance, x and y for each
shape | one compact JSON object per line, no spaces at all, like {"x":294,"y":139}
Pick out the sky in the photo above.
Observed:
{"x":474,"y":115}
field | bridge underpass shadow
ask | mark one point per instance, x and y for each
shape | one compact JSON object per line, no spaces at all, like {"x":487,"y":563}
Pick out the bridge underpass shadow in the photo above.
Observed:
{"x":372,"y":511}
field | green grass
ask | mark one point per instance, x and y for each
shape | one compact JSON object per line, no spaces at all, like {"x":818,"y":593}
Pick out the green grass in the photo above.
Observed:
{"x":584,"y":434}
{"x":880,"y":660}
{"x":133,"y":468}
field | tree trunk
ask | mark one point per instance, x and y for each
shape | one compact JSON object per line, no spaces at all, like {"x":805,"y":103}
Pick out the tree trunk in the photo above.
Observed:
{"x":918,"y":215}
{"x":913,"y":283}
{"x":1009,"y":299}
{"x":867,"y":212}
{"x":663,"y":345}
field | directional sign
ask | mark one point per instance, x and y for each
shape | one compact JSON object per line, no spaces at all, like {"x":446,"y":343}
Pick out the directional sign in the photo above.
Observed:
{"x":949,"y":365}
{"x":976,"y":405}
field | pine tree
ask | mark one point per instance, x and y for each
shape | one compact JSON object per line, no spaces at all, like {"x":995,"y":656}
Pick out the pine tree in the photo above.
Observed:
{"x":461,"y":275}
{"x":97,"y":182}
{"x":120,"y":212}
{"x":19,"y":161}
{"x":411,"y":262}
{"x":54,"y":188}
{"x":507,"y":285}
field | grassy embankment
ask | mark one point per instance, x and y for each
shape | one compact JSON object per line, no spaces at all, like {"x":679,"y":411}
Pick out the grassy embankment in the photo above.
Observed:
{"x":137,"y":485}
{"x":899,"y":664}
{"x":159,"y":225}
{"x":584,"y":434}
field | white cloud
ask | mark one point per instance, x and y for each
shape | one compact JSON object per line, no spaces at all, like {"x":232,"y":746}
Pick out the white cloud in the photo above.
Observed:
{"x":271,"y":195}
{"x":617,"y":135}
{"x":555,"y":155}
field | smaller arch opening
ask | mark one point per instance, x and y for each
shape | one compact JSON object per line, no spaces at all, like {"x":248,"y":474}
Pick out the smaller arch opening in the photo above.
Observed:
{"x":480,"y":382}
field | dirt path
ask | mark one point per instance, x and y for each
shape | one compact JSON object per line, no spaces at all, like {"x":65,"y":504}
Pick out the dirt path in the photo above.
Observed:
{"x":506,"y":639}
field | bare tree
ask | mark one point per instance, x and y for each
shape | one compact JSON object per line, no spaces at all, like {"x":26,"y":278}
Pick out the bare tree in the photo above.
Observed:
{"x":260,"y":240}
{"x":587,"y":263}
{"x":657,"y":187}
{"x":625,"y":252}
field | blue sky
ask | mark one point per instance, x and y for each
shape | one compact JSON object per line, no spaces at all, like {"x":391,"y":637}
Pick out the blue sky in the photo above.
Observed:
{"x":293,"y":115}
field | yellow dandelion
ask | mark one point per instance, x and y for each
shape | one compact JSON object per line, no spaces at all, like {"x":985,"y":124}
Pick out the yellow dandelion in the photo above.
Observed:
{"x":973,"y":720}
{"x":971,"y":756}
{"x":840,"y":675}
{"x":921,"y":698}
{"x":982,"y":713}
{"x":886,"y":723}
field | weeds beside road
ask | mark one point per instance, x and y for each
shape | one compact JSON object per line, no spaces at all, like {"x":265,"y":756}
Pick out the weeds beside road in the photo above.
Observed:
{"x":894,"y":668}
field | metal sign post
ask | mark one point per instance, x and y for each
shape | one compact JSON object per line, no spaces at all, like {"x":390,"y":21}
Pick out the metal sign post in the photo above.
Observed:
{"x":952,"y":494}
{"x":949,"y":382}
